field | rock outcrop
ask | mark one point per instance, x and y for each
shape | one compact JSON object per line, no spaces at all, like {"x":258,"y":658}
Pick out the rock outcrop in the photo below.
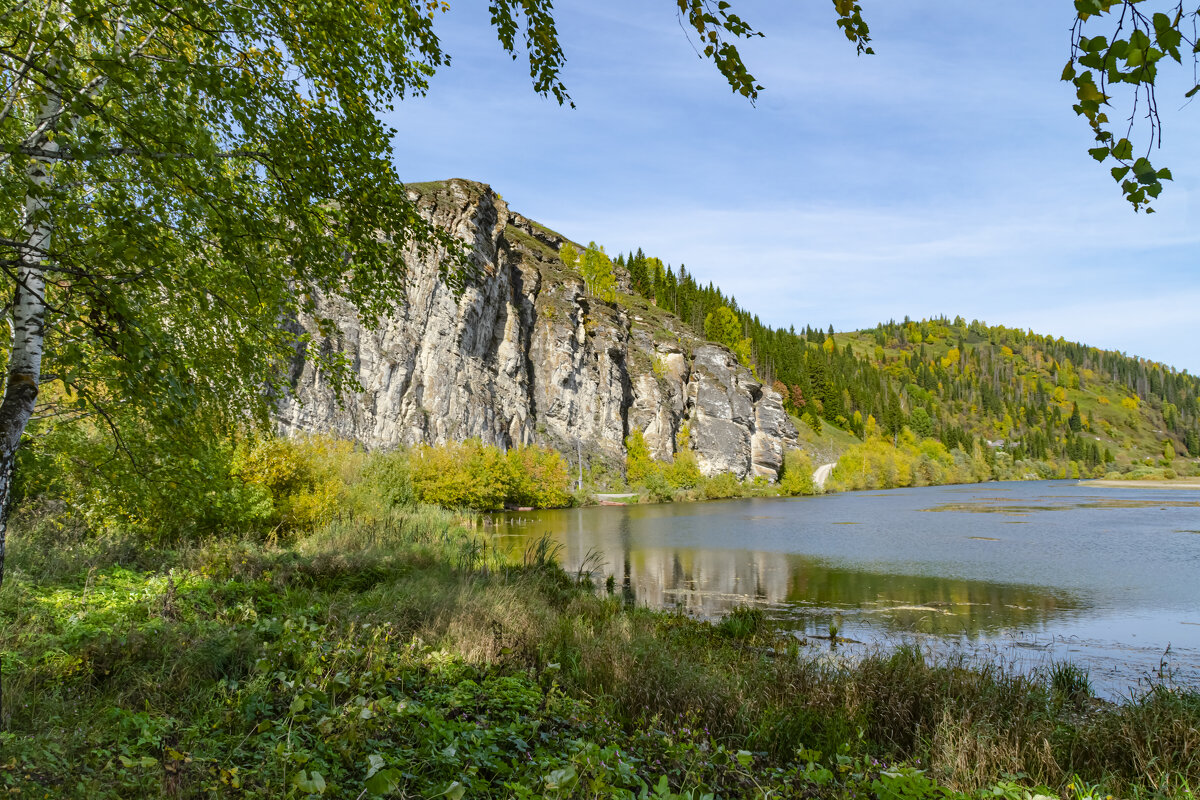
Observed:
{"x":524,"y":356}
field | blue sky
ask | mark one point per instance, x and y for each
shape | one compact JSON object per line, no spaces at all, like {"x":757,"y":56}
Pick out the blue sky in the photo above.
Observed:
{"x":946,"y":174}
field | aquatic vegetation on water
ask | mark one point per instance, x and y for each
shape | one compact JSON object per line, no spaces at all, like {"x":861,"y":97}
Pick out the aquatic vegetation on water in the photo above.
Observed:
{"x":990,"y":507}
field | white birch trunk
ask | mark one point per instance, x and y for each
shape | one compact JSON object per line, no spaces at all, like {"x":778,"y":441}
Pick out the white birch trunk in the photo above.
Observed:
{"x":29,"y":307}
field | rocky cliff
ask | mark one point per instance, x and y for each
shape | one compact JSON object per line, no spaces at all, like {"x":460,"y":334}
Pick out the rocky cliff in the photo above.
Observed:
{"x":523,"y":355}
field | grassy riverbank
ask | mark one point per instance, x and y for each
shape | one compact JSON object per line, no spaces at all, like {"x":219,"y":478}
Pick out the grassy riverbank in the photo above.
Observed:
{"x":395,"y":652}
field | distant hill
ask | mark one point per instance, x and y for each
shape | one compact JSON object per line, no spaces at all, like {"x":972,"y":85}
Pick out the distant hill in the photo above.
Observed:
{"x":1037,"y":396}
{"x":1042,"y":405}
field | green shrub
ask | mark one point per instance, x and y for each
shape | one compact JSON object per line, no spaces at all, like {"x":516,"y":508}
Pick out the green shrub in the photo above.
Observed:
{"x":662,"y":480}
{"x":538,"y":478}
{"x":658,"y":488}
{"x":387,"y":477}
{"x":464,"y":475}
{"x":638,"y":462}
{"x":305,"y":477}
{"x":684,"y":472}
{"x":721,"y":487}
{"x":797,"y":475}
{"x":471,"y":474}
{"x":878,"y":463}
{"x":152,"y":486}
{"x":1145,"y":473}
{"x":813,"y":422}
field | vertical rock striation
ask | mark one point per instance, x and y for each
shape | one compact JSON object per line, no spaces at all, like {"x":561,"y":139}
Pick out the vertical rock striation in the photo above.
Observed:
{"x":523,"y":355}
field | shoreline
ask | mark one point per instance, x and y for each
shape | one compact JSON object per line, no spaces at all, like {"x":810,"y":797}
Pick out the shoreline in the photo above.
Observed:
{"x":1101,"y":483}
{"x":635,"y":498}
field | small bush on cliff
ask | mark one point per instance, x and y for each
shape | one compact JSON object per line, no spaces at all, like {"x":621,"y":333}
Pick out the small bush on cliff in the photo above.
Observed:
{"x":679,"y":479}
{"x":658,"y":477}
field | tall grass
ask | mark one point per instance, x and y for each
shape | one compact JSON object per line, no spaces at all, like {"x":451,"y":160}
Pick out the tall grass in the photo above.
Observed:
{"x":101,"y":635}
{"x":969,"y":723}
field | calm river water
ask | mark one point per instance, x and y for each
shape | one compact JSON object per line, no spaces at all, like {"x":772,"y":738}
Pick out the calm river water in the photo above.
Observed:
{"x":1026,"y":573}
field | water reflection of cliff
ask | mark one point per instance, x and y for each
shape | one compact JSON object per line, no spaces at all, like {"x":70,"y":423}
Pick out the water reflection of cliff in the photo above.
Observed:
{"x":707,"y":582}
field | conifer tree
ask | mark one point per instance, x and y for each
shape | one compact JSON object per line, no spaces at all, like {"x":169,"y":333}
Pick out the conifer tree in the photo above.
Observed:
{"x":1075,"y":422}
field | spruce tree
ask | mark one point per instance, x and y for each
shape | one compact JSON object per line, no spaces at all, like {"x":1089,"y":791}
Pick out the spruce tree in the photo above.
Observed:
{"x":1075,"y":422}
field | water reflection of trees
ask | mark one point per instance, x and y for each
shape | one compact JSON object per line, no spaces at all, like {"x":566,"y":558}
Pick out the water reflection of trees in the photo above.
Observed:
{"x":708,"y":582}
{"x":923,"y":603}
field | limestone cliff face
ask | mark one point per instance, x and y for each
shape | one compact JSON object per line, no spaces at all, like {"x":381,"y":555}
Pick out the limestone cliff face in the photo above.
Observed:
{"x":524,"y":356}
